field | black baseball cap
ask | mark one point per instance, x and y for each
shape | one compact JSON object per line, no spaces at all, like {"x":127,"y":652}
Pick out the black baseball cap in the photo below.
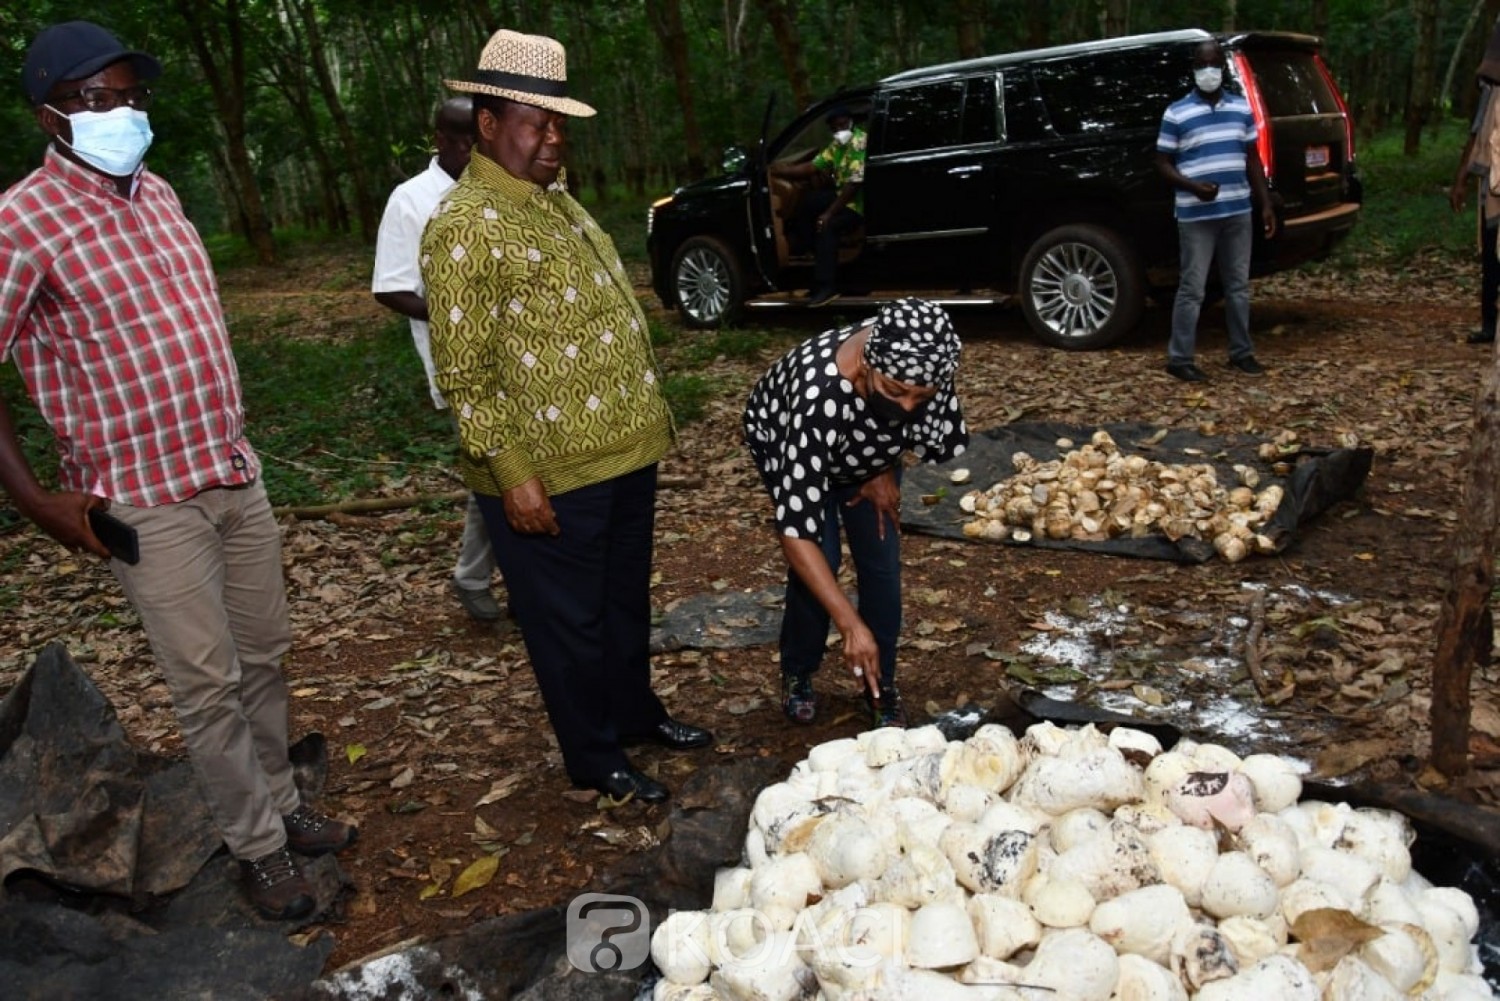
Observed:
{"x":74,"y":50}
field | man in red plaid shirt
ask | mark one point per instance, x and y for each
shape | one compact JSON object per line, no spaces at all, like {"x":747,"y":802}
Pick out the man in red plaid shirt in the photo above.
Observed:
{"x":109,"y":307}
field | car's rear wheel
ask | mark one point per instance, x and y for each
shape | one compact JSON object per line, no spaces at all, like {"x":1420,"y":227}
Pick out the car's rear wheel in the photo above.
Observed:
{"x":708,"y":281}
{"x":1081,"y":287}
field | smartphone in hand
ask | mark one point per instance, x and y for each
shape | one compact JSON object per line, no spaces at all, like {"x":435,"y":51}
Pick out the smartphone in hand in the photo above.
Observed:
{"x":119,"y":538}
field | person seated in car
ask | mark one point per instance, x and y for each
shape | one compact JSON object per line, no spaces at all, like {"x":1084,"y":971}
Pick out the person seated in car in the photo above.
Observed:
{"x":824,"y":215}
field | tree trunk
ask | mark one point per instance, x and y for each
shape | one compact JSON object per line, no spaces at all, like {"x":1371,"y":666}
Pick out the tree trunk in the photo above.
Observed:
{"x":1231,"y":14}
{"x":1458,"y":52}
{"x":1114,"y":18}
{"x":364,"y":203}
{"x":1038,"y":26}
{"x":1318,"y":19}
{"x":1465,"y":625}
{"x":217,"y":37}
{"x":970,"y":29}
{"x":666,"y":20}
{"x":784,"y":31}
{"x":1419,"y":87}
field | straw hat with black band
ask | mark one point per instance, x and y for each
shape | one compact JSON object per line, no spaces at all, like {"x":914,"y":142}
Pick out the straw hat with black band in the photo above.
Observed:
{"x":531,"y":69}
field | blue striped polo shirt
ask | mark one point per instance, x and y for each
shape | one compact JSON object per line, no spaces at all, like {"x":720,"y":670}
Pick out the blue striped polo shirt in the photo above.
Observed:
{"x":1207,"y":143}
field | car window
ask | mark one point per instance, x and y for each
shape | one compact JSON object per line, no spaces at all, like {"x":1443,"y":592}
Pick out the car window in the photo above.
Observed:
{"x":980,"y":122}
{"x":1023,"y":114}
{"x":925,"y":117}
{"x":1291,"y":84}
{"x":1088,"y":95}
{"x":806,"y":144}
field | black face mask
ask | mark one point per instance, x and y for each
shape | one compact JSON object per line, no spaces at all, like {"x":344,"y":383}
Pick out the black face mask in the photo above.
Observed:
{"x":890,"y":411}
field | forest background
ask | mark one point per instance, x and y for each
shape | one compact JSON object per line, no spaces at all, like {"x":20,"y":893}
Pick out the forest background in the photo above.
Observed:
{"x":282,"y":118}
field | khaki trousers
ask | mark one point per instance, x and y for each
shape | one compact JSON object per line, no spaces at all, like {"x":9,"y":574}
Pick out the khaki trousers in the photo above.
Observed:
{"x":210,"y":594}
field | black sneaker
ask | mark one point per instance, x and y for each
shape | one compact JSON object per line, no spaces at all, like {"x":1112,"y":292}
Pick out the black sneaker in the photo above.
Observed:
{"x":1187,"y":372}
{"x":1248,"y":365}
{"x":1481,"y":337}
{"x":798,"y":700}
{"x":886,"y":710}
{"x":822,"y":297}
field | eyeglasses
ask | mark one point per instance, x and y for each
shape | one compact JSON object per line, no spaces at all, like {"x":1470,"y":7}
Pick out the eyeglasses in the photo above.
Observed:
{"x":110,"y":98}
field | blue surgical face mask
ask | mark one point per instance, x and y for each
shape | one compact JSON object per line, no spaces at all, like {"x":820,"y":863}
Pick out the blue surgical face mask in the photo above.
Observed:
{"x":112,"y":141}
{"x":1208,"y":78}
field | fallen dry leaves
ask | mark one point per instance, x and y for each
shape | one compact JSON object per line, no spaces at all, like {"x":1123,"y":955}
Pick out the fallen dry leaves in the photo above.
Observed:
{"x":440,"y":744}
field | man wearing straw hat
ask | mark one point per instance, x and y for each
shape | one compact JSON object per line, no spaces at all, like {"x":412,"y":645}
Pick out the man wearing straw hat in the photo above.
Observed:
{"x":540,"y":346}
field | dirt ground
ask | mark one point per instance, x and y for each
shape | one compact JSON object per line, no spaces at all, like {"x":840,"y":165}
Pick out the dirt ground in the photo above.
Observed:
{"x":441,"y":749}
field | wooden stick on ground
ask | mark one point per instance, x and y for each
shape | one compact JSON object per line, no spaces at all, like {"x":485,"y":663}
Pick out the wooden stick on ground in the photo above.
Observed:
{"x":1252,"y":643}
{"x":375,"y":505}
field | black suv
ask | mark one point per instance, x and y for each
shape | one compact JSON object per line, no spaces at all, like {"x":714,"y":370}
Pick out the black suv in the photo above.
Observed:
{"x":1029,"y":175}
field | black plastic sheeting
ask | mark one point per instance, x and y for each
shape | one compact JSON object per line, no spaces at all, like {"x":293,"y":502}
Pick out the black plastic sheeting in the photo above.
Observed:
{"x":115,"y":881}
{"x":1319,"y":479}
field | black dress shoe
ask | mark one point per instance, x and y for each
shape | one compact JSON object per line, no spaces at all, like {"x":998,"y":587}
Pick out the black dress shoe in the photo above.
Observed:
{"x":1480,"y":337}
{"x":671,"y":734}
{"x":627,"y":783}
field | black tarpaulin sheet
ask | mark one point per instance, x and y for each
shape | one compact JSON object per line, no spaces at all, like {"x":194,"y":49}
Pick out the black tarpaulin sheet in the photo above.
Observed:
{"x":113,"y":882}
{"x":1320,"y":478}
{"x":79,"y":805}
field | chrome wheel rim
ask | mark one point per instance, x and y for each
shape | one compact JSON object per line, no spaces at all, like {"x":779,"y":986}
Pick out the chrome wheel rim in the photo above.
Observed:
{"x":1074,"y":291}
{"x":703,"y":284}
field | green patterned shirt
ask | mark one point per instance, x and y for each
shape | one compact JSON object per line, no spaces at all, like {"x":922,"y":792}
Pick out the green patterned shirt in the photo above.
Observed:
{"x":537,"y":338}
{"x":846,"y":164}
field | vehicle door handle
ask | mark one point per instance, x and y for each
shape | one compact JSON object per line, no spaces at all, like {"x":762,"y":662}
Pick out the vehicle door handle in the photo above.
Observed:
{"x":972,"y":168}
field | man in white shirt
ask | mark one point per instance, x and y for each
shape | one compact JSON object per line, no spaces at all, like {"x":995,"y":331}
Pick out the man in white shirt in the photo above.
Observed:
{"x":397,"y":285}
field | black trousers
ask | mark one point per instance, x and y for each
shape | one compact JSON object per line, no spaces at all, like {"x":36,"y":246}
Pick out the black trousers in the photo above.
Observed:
{"x":583,"y":602}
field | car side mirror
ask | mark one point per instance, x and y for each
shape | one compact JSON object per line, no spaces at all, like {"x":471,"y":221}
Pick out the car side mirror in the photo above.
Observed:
{"x":734,"y":160}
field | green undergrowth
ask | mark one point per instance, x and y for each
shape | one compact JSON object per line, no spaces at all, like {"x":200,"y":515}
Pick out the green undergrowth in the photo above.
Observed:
{"x":1406,"y":213}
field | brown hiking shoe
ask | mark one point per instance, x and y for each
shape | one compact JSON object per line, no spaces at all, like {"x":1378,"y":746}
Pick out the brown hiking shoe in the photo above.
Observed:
{"x":311,"y":833}
{"x":277,"y":887}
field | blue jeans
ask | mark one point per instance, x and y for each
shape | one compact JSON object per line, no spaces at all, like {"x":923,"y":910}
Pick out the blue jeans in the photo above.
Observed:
{"x":877,"y":562}
{"x":1228,"y":239}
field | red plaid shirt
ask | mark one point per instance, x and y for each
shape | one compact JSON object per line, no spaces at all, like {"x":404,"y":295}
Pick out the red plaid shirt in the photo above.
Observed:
{"x":110,"y":309}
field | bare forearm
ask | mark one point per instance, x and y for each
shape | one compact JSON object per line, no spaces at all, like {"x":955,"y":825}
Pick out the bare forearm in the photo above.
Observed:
{"x":16,"y":475}
{"x":808,"y":563}
{"x":62,"y":515}
{"x":406,"y":303}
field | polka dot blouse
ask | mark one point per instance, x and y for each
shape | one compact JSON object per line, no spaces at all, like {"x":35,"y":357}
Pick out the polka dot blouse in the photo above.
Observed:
{"x":809,"y":432}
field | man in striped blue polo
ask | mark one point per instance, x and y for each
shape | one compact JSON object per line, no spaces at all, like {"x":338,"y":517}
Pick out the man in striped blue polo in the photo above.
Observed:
{"x":1206,"y":150}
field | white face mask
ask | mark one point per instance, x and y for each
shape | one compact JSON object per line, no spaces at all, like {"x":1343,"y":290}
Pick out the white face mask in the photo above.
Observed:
{"x":1208,"y":78}
{"x":842,"y":136}
{"x":112,"y":141}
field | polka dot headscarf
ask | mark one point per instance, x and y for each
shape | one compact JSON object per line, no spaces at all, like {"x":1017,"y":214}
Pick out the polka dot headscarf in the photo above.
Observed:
{"x":913,"y":341}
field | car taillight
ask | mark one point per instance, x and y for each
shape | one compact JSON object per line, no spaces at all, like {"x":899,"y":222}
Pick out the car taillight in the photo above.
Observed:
{"x":1258,"y":110}
{"x":1343,"y":108}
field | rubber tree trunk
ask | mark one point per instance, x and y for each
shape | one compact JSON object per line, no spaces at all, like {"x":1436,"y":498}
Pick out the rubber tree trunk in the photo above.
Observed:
{"x":317,"y":56}
{"x":784,"y":31}
{"x":970,"y":29}
{"x":666,"y":21}
{"x":217,"y":38}
{"x":1465,"y":626}
{"x":1420,"y":84}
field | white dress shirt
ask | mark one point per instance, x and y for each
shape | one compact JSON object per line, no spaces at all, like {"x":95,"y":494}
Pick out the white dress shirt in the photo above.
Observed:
{"x":398,"y":245}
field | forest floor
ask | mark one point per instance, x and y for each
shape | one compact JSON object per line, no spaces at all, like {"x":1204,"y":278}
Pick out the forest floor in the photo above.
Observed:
{"x":440,"y":747}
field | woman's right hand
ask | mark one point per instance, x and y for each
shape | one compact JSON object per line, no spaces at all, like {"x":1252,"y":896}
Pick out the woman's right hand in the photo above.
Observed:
{"x":862,"y":655}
